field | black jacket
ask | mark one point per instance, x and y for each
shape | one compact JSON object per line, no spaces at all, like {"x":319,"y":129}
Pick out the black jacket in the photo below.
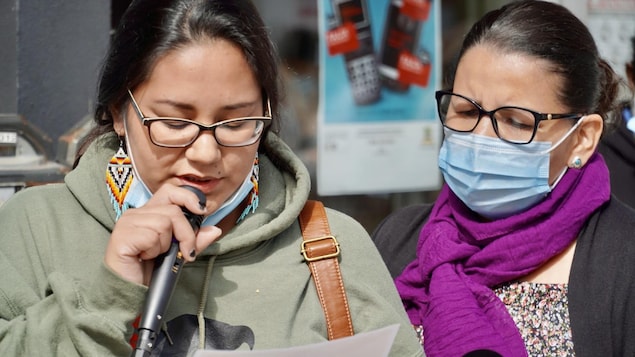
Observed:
{"x":618,"y":150}
{"x":601,"y":283}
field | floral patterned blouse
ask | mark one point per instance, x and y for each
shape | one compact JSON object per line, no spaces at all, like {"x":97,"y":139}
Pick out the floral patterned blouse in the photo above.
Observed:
{"x":541,"y":313}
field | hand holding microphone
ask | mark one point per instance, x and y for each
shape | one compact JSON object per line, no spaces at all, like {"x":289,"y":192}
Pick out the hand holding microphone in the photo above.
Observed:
{"x":142,"y":234}
{"x":167,"y":268}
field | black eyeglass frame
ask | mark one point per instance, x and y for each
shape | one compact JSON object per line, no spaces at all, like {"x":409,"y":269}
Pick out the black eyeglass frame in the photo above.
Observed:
{"x":538,"y":117}
{"x":147,"y":121}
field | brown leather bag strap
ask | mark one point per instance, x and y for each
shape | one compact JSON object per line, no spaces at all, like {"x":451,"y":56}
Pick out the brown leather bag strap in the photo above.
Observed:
{"x":320,"y":250}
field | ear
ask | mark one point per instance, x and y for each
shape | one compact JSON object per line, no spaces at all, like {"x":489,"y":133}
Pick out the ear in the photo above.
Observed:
{"x":117,"y":121}
{"x":588,"y":136}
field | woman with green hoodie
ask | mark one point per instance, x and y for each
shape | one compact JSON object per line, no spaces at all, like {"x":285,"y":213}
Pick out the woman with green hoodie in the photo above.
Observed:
{"x":188,"y":95}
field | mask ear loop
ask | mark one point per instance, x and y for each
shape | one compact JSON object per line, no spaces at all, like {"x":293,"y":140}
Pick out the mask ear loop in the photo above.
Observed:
{"x":129,"y":151}
{"x":553,"y":147}
{"x":564,"y":137}
{"x":564,"y":171}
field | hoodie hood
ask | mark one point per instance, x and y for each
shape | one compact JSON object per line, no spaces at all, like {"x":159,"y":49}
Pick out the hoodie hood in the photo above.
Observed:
{"x":87,"y":182}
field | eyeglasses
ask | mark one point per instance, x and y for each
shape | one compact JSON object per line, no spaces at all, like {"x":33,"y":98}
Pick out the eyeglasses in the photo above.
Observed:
{"x":179,"y":133}
{"x":512,"y":124}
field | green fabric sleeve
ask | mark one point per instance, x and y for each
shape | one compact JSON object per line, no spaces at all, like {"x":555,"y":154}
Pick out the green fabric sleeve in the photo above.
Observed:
{"x":49,"y":305}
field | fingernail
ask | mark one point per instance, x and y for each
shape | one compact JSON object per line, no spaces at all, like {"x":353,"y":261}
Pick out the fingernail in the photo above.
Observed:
{"x":192,"y":253}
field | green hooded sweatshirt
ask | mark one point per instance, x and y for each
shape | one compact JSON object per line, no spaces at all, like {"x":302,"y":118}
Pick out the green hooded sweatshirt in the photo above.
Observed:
{"x":249,"y":290}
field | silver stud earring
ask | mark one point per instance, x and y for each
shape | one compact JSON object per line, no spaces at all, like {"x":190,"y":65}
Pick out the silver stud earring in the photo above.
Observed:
{"x":576,"y":163}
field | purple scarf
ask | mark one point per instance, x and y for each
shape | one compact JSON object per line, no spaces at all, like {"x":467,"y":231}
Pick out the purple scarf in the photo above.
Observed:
{"x":448,"y":288}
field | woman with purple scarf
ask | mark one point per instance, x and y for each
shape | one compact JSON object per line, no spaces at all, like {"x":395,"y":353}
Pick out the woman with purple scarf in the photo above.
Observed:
{"x":524,"y":253}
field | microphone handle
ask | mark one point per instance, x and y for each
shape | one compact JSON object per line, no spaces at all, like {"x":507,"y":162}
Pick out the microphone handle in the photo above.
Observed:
{"x":166,"y":271}
{"x":167,"y":268}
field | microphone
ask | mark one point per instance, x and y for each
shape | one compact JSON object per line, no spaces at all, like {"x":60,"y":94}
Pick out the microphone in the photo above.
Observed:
{"x":167,"y":268}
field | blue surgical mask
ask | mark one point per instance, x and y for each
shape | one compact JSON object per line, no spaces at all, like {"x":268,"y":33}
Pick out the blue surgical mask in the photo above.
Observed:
{"x":138,"y":195}
{"x":494,"y":178}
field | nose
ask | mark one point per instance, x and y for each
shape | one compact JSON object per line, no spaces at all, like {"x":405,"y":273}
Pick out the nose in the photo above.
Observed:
{"x":204,"y":149}
{"x":485,"y":126}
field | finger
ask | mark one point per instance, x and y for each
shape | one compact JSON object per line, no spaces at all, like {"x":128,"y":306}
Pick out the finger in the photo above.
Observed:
{"x":152,"y":233}
{"x":205,"y":237}
{"x":169,"y":194}
{"x":144,"y":229}
{"x":148,"y":268}
{"x":158,"y":227}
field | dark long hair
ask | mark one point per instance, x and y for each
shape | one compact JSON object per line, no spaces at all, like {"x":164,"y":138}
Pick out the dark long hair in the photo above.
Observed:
{"x":549,"y":31}
{"x":149,"y":29}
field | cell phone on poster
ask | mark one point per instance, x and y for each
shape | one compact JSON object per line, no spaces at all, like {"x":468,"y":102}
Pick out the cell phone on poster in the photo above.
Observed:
{"x":361,"y":64}
{"x":401,"y":33}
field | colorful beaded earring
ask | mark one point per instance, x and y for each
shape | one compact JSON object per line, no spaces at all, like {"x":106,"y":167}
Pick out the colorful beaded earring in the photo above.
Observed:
{"x":118,"y":178}
{"x":253,"y":200}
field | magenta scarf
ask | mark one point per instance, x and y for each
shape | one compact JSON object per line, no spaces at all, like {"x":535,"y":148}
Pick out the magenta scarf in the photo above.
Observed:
{"x":448,"y":288}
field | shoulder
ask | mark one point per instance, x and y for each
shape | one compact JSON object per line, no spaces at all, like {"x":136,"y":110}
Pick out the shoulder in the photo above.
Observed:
{"x":397,"y":235}
{"x":35,"y":197}
{"x":38,"y":206}
{"x":606,"y":245}
{"x":609,"y":232}
{"x":614,"y":220}
{"x":350,"y":234}
{"x":29,"y":214}
{"x":358,"y":251}
{"x":343,"y":222}
{"x":599,"y":288}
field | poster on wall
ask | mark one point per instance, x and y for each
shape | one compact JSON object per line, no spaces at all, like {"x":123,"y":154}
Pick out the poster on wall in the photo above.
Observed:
{"x":380,"y":64}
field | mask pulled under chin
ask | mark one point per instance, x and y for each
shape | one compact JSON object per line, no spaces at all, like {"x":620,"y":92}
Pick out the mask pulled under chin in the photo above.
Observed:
{"x":138,"y":195}
{"x":494,"y":178}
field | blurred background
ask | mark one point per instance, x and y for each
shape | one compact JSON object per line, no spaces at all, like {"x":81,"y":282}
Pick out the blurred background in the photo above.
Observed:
{"x":51,"y":51}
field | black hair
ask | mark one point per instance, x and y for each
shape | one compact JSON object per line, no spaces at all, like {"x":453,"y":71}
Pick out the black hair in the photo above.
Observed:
{"x":149,"y":29}
{"x":549,"y":31}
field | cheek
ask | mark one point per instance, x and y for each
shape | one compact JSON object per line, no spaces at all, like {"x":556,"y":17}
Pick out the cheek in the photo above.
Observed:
{"x":559,"y":156}
{"x":151,"y":165}
{"x":151,"y":162}
{"x":241,"y":163}
{"x":559,"y":160}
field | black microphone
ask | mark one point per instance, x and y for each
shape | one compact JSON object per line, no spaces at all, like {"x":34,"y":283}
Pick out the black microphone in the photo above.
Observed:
{"x":167,"y":268}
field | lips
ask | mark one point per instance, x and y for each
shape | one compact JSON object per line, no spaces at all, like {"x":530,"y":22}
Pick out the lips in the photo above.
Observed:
{"x":205,"y":184}
{"x":195,"y":179}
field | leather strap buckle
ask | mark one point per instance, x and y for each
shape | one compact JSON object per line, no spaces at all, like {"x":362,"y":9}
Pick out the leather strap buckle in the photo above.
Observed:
{"x":324,"y":247}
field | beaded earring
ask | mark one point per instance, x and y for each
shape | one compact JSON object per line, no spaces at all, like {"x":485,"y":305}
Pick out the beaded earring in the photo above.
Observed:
{"x":253,"y":200}
{"x":119,"y":177}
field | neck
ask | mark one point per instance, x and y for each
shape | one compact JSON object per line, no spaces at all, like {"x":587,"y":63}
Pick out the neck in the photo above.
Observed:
{"x":229,"y":221}
{"x":556,"y":270}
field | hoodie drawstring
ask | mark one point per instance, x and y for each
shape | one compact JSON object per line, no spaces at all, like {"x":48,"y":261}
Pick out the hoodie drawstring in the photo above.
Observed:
{"x":203,"y":302}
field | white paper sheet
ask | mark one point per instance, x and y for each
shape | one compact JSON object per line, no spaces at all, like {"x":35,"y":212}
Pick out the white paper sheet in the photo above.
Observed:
{"x":375,"y":343}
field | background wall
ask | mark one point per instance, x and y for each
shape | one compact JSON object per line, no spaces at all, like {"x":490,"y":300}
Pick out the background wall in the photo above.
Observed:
{"x":50,"y":56}
{"x":51,"y":51}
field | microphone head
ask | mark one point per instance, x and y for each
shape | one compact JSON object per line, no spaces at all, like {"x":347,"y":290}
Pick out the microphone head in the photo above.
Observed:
{"x":194,"y":219}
